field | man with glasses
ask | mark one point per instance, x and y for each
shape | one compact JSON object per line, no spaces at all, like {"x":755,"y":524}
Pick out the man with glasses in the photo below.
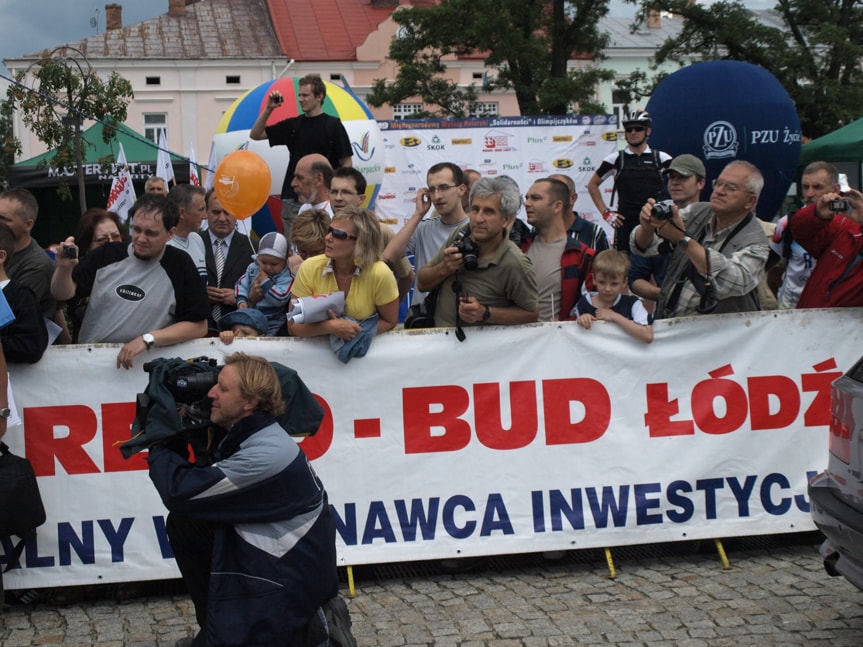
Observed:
{"x":425,"y":232}
{"x":718,"y":250}
{"x":637,"y":177}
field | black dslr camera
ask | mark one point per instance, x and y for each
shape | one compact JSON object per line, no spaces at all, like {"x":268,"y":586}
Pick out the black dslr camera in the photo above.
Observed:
{"x":468,"y":250}
{"x":662,"y":210}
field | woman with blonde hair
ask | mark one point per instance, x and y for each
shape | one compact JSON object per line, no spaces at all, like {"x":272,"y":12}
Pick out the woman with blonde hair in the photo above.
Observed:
{"x":351,"y":263}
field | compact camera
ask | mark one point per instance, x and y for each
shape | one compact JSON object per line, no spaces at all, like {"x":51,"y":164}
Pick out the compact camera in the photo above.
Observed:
{"x":468,"y":250}
{"x":662,"y":210}
{"x":840,"y":206}
{"x":278,"y":99}
{"x":69,"y":251}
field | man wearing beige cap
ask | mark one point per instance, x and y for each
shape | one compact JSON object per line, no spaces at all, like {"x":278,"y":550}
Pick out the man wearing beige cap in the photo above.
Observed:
{"x":686,"y":178}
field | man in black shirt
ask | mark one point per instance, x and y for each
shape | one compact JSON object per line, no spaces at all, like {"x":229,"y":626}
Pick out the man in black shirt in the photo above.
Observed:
{"x":314,"y":131}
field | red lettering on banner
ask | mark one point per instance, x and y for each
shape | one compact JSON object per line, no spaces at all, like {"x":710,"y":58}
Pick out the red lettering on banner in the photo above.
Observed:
{"x":487,"y":415}
{"x":42,"y":447}
{"x":117,"y":420}
{"x":755,"y":401}
{"x":818,"y":413}
{"x":557,"y":396}
{"x":786,"y":392}
{"x":659,"y":412}
{"x":317,"y":445}
{"x":419,"y":420}
{"x":704,"y":397}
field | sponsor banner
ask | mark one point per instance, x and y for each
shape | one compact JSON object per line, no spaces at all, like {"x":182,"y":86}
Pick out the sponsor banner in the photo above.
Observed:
{"x":519,"y":439}
{"x":525,"y":148}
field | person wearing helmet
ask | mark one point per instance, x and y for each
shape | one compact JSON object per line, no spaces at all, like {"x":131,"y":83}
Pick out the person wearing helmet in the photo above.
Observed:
{"x":637,"y":177}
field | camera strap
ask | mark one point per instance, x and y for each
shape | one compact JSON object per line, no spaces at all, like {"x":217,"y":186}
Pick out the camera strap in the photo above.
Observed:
{"x":701,"y":284}
{"x":456,"y":287}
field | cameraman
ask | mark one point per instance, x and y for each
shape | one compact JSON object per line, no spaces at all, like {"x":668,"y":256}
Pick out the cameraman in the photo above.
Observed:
{"x":717,"y":254}
{"x":273,"y":556}
{"x":499,"y":286}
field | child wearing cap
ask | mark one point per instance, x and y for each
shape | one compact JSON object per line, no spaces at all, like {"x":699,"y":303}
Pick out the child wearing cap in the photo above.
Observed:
{"x":247,"y":322}
{"x":266,"y":285}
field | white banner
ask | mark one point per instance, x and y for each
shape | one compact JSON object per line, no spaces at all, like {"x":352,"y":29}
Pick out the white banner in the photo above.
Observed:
{"x":525,"y":148}
{"x":519,"y":439}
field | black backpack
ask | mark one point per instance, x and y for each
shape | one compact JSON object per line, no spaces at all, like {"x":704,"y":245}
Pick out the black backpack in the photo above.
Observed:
{"x":21,"y":508}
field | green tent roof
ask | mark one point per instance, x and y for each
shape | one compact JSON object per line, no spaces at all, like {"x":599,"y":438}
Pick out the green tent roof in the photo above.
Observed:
{"x":843,"y":145}
{"x":141,"y":156}
{"x":136,"y":147}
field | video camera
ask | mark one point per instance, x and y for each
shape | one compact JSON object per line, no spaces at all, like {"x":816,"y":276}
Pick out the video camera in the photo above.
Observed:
{"x":186,"y":383}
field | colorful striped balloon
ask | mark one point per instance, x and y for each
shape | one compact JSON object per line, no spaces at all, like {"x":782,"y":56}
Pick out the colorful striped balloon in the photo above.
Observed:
{"x":233,"y":132}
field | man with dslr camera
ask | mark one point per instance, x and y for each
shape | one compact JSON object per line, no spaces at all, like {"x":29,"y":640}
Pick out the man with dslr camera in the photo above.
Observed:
{"x":830,"y":230}
{"x":267,"y":531}
{"x":482,"y":277}
{"x":718,"y":251}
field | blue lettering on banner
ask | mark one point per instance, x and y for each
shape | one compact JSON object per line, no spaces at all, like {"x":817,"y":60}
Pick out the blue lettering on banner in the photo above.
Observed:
{"x":641,"y":504}
{"x":456,"y":523}
{"x":162,"y":537}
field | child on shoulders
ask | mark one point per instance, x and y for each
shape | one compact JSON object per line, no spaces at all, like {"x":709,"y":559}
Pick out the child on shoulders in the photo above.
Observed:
{"x":609,"y":303}
{"x":266,"y":285}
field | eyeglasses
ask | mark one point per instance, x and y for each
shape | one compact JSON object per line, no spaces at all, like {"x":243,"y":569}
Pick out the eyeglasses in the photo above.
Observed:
{"x":634,"y":129}
{"x":728,"y":186}
{"x":441,"y":188}
{"x":345,"y":192}
{"x":340,"y":234}
{"x":113,"y":237}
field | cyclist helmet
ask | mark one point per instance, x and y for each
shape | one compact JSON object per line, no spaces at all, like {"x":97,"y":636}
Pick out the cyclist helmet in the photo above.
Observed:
{"x":637,"y":117}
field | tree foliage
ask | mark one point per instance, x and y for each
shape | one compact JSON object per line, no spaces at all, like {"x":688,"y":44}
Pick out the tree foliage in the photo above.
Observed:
{"x":65,"y":92}
{"x":9,"y":147}
{"x":813,"y":47}
{"x":527,"y":43}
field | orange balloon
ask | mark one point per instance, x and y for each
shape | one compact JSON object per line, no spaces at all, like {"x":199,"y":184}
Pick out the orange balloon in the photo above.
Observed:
{"x":242,"y":183}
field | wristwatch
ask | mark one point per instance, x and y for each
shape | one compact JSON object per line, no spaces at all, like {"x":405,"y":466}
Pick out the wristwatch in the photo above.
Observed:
{"x":487,"y":314}
{"x":5,"y":412}
{"x":149,"y":340}
{"x":684,"y":242}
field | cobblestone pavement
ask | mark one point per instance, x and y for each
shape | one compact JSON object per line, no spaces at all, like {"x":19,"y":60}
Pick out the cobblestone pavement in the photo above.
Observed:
{"x":775,"y":593}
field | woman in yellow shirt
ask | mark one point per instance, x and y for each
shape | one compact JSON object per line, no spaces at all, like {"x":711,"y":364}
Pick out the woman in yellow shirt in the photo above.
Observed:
{"x":351,"y":263}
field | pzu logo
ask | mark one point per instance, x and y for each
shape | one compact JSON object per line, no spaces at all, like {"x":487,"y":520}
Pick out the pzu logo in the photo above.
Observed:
{"x":720,"y":140}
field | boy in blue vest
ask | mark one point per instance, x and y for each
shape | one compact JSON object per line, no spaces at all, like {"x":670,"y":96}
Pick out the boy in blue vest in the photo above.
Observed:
{"x":609,"y":303}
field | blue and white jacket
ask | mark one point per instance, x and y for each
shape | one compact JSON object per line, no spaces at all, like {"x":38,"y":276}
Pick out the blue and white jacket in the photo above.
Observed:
{"x":274,"y":554}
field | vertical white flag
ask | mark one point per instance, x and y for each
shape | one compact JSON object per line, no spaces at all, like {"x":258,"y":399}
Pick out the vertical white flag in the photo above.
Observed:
{"x":209,"y":182}
{"x":122,"y":195}
{"x":194,"y":178}
{"x":164,"y":168}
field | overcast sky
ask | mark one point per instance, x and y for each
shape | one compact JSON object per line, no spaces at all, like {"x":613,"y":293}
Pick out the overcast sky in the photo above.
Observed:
{"x":29,"y":26}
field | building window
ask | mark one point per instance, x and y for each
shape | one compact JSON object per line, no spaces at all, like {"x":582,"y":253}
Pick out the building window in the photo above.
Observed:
{"x":154,"y":122}
{"x":405,"y":110}
{"x":153,"y":80}
{"x":484,"y":109}
{"x":232,"y":80}
{"x":618,"y":103}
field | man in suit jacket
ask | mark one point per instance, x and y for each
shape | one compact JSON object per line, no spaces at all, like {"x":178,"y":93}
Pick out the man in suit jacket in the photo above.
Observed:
{"x":237,"y":250}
